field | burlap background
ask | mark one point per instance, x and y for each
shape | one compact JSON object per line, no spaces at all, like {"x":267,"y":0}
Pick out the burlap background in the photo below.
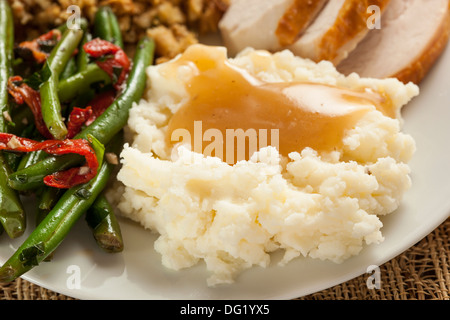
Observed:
{"x":420,"y":273}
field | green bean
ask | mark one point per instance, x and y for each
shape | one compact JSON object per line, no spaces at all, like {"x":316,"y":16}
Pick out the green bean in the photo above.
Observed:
{"x":13,"y":160}
{"x":87,"y":90}
{"x":6,"y":58}
{"x":80,"y":61}
{"x":86,"y":95}
{"x":12,"y":214}
{"x":81,"y":82}
{"x":31,"y":158}
{"x":107,"y":125}
{"x":32,"y":177}
{"x":69,"y":70}
{"x":104,"y":128}
{"x":56,"y":62}
{"x":107,"y":27}
{"x":101,"y":218}
{"x":49,"y":234}
{"x":48,"y":198}
{"x":90,"y":73}
{"x":83,"y":57}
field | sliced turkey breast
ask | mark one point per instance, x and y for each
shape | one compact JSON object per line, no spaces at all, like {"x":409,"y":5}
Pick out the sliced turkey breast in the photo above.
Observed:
{"x":337,"y":30}
{"x":296,"y":19}
{"x":266,"y":24}
{"x":413,"y":34}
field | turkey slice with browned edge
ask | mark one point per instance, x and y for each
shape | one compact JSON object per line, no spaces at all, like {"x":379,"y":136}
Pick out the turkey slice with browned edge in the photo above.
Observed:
{"x":266,"y":24}
{"x":413,"y":35}
{"x":337,"y":30}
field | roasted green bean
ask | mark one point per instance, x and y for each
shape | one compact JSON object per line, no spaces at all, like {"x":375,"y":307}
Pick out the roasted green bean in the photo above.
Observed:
{"x":56,"y":62}
{"x":12,"y":214}
{"x":48,"y":235}
{"x":6,"y":58}
{"x":107,"y":27}
{"x":81,"y":82}
{"x":47,"y":200}
{"x":31,"y":158}
{"x":83,"y":57}
{"x":104,"y":128}
{"x":69,"y":70}
{"x":100,"y":216}
{"x":106,"y":229}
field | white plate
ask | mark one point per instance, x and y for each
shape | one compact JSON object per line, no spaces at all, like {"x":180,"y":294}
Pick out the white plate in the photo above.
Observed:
{"x":137,"y":273}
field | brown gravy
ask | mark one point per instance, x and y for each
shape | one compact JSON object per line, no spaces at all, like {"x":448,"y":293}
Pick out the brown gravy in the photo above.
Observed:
{"x":291,"y":115}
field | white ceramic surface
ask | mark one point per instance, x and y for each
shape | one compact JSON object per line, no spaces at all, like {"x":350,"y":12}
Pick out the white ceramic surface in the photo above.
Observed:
{"x":137,"y":273}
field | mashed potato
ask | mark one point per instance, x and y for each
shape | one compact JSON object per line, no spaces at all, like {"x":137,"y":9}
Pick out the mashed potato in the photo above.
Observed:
{"x":314,"y":205}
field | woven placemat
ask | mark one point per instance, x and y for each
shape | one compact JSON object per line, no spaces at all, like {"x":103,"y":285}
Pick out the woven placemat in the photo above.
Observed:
{"x":420,"y":273}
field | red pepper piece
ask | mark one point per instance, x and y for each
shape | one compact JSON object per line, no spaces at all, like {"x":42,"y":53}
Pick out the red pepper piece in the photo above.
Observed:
{"x":23,"y":93}
{"x":35,"y":45}
{"x":100,"y":103}
{"x":119,"y":62}
{"x":63,"y":179}
{"x":77,"y":118}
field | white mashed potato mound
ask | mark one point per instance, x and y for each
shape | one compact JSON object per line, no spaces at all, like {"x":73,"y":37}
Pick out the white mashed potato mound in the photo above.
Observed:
{"x":322,"y":206}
